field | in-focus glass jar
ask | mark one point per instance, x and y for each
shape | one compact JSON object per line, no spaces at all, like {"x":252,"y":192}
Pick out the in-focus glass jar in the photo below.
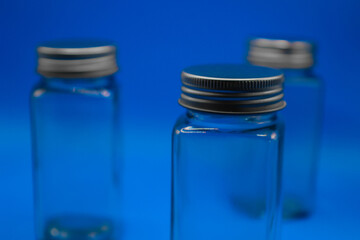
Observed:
{"x":74,"y":114}
{"x":226,"y":168}
{"x":303,"y":117}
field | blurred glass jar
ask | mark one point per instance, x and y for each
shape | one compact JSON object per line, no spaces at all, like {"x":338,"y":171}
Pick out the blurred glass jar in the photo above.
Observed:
{"x":73,"y":110}
{"x":227,"y":154}
{"x":303,"y":117}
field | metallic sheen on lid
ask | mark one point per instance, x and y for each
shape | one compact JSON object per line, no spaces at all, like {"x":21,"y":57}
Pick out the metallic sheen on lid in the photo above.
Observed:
{"x":76,"y":59}
{"x":281,"y":53}
{"x":232,"y":89}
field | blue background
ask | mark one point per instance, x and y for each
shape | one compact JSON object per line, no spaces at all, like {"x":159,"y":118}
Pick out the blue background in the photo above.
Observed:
{"x":156,"y":40}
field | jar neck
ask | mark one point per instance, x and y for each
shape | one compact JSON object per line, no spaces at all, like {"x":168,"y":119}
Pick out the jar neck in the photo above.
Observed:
{"x":298,"y":73}
{"x":231,"y":119}
{"x":78,"y":83}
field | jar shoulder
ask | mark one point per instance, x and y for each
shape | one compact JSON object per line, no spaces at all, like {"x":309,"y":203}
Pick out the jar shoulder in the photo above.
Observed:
{"x":311,"y":81}
{"x":272,"y":130}
{"x":42,"y":90}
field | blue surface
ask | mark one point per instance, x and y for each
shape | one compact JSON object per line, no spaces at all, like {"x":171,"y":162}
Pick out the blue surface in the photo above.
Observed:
{"x":156,"y":40}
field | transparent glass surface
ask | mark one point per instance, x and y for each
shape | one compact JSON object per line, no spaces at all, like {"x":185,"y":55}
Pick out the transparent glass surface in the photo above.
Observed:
{"x":74,"y":167}
{"x":226,"y":176}
{"x":303,"y":117}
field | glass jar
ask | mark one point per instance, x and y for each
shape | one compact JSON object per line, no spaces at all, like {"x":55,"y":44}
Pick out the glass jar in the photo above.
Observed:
{"x":303,"y":118}
{"x":226,"y":168}
{"x":73,"y":110}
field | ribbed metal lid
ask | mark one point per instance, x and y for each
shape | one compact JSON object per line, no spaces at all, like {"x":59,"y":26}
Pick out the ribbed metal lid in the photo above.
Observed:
{"x":281,"y":53}
{"x":232,"y":89}
{"x":76,"y":59}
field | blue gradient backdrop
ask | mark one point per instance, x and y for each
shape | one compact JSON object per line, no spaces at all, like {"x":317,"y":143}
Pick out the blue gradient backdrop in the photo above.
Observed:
{"x":156,"y":40}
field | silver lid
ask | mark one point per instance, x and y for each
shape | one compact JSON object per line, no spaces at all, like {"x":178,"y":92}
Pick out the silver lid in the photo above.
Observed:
{"x":232,"y":89}
{"x":76,"y":59}
{"x":281,"y":53}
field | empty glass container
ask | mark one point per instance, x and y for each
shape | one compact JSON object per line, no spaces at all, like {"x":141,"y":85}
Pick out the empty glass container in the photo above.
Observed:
{"x":304,"y":96}
{"x":226,"y":170}
{"x":73,"y":110}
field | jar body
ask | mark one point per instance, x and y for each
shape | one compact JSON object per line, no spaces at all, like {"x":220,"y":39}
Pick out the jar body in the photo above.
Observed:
{"x":226,"y":176}
{"x":303,"y":118}
{"x":74,"y":167}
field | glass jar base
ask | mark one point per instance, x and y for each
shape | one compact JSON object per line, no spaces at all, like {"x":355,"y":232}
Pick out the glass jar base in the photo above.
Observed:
{"x":254,"y":208}
{"x":78,"y":227}
{"x":293,"y":209}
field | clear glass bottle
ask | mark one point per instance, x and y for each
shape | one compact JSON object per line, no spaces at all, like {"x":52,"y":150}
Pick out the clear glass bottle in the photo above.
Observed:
{"x":303,"y":118}
{"x":73,"y":110}
{"x":226,"y":168}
